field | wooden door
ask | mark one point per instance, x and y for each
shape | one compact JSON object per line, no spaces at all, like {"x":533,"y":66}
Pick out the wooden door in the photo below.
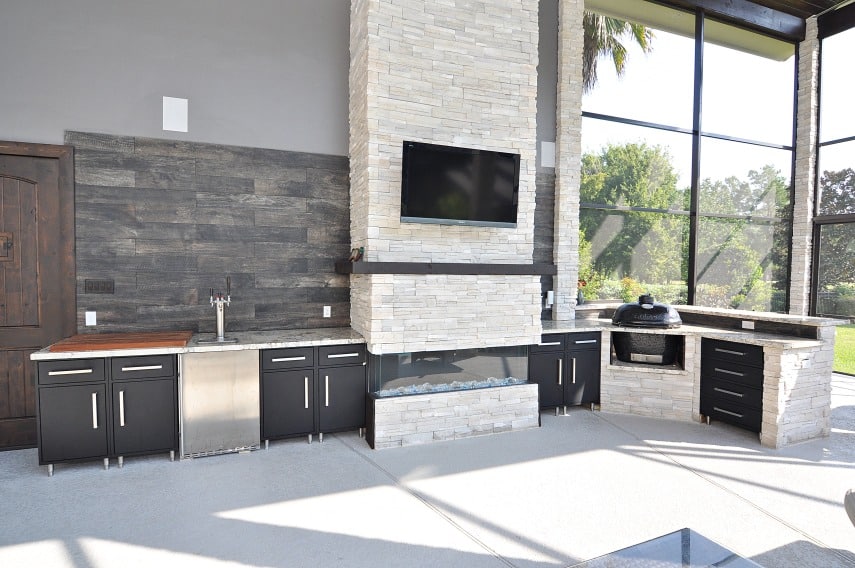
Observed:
{"x":37,"y":287}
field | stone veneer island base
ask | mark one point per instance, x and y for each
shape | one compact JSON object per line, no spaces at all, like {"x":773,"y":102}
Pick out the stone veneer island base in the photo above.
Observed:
{"x":417,"y":419}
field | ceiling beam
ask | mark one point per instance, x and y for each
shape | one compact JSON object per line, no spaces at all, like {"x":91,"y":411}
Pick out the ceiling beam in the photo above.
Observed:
{"x":749,"y":14}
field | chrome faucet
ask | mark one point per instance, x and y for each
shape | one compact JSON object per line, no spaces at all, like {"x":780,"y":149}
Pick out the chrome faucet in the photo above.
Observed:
{"x":219,"y":301}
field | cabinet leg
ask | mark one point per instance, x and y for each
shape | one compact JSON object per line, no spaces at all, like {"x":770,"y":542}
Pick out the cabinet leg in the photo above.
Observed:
{"x":106,"y":463}
{"x":556,"y":411}
{"x":362,"y":432}
{"x":565,"y":411}
{"x":708,"y":420}
{"x":310,"y":438}
{"x":172,"y":455}
{"x":321,"y":437}
{"x":121,"y":461}
{"x":266,"y":444}
{"x":592,"y":407}
{"x":50,"y":470}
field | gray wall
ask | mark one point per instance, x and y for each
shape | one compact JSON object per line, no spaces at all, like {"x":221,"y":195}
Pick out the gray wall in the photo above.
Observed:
{"x":260,"y":73}
{"x":167,"y":220}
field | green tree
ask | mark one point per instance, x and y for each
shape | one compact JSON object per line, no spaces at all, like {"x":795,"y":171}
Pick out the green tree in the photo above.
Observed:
{"x":634,"y":175}
{"x":603,"y":37}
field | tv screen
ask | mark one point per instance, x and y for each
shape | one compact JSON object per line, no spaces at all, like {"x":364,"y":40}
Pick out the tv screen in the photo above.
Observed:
{"x":459,"y":186}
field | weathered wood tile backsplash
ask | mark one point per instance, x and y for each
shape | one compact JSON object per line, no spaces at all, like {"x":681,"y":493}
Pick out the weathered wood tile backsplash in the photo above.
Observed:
{"x":167,"y":220}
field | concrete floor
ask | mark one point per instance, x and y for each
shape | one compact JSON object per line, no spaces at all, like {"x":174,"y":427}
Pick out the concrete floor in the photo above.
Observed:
{"x":581,"y":486}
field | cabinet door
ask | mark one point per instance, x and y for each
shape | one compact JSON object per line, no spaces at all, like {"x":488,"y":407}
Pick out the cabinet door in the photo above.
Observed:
{"x":341,"y":398}
{"x":287,"y":403}
{"x":547,"y":370}
{"x":72,"y":422}
{"x":582,"y":383}
{"x":144,"y":416}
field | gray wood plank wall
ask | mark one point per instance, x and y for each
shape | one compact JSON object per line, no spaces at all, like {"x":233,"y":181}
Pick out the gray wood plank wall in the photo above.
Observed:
{"x":167,"y":220}
{"x":544,"y":224}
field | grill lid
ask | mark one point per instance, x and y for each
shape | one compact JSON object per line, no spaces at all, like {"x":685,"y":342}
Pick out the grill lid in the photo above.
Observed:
{"x":646,"y":313}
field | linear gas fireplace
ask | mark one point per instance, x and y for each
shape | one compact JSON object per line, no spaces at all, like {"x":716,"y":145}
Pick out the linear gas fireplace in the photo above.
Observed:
{"x":423,"y":372}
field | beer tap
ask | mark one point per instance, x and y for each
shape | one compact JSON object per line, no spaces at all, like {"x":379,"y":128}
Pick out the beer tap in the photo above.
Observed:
{"x":219,"y":302}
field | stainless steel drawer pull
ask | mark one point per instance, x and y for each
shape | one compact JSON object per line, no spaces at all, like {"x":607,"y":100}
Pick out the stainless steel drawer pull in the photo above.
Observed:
{"x":70,"y":372}
{"x":723,"y":411}
{"x":560,"y":369}
{"x":729,"y":351}
{"x":121,"y":408}
{"x":143,"y":368}
{"x":549,"y":343}
{"x":326,"y":390}
{"x":574,"y":370}
{"x":581,"y":341}
{"x":725,"y":391}
{"x":341,"y":355}
{"x":283,"y":359}
{"x":306,"y":392}
{"x":94,"y":410}
{"x":726,"y":372}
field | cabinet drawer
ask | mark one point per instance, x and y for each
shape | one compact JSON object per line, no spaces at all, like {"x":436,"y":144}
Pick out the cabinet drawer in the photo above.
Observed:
{"x":727,"y":411}
{"x":718,"y":369}
{"x":144,"y":367}
{"x":351,"y":354}
{"x":733,"y":352}
{"x":71,"y":371}
{"x":549,"y":342}
{"x":733,"y":392}
{"x":292,"y":358}
{"x":588,"y":340}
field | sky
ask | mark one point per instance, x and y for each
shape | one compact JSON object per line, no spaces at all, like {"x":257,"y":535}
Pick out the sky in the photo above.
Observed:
{"x":744,"y":96}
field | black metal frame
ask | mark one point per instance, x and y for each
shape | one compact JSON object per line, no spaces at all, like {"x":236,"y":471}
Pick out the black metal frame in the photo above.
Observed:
{"x":698,"y":134}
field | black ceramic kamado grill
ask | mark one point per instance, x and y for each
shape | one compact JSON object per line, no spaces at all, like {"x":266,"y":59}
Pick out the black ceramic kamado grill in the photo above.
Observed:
{"x":650,"y":348}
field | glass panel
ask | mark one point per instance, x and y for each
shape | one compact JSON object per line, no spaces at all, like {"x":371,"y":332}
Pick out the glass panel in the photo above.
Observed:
{"x":742,"y":265}
{"x":836,"y":271}
{"x":458,"y":369}
{"x":744,"y":179}
{"x":623,"y":254}
{"x":837,"y":120}
{"x":837,"y":179}
{"x":748,"y":92}
{"x":655,"y":86}
{"x":635,"y":166}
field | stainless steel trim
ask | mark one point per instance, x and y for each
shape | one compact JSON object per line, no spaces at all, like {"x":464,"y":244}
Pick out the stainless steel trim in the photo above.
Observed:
{"x":560,"y":370}
{"x":574,"y":370}
{"x":143,"y":368}
{"x":726,"y":372}
{"x":94,"y":410}
{"x":549,"y":343}
{"x":729,"y":351}
{"x":725,"y":391}
{"x":306,"y":392}
{"x":727,"y":412}
{"x":581,"y":341}
{"x":121,"y":408}
{"x":340,"y":355}
{"x":70,"y":372}
{"x":326,"y":390}
{"x":283,"y":359}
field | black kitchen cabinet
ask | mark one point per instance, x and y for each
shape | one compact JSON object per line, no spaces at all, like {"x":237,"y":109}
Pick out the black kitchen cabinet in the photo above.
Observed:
{"x":312,"y":390}
{"x":76,"y":422}
{"x":732,"y":383}
{"x":566,"y":368}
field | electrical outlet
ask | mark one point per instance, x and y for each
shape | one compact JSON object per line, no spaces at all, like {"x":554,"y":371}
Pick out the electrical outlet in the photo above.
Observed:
{"x":327,"y":311}
{"x":747,"y":324}
{"x":91,"y":318}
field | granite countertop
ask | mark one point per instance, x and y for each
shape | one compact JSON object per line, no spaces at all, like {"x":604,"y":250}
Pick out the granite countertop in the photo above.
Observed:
{"x":740,"y":335}
{"x":246,"y":340}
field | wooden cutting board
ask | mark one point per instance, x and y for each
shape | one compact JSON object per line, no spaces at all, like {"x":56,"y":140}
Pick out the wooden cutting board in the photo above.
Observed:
{"x":108,"y":341}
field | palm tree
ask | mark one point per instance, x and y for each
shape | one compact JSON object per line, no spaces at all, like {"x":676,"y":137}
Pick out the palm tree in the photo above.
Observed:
{"x":603,"y":37}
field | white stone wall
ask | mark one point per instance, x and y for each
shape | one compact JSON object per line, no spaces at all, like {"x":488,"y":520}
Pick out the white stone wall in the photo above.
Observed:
{"x":568,"y":157}
{"x":419,"y":419}
{"x":805,"y":170}
{"x":461,"y":73}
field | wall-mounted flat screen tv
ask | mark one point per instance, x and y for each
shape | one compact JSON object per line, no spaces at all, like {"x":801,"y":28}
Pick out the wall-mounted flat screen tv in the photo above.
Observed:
{"x":459,"y":186}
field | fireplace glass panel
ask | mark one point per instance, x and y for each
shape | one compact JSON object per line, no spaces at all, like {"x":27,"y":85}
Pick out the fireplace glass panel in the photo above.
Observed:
{"x":455,"y":369}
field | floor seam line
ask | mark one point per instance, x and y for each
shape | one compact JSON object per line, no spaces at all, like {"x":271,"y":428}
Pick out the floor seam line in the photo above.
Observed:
{"x":729,"y":491}
{"x":426,"y":502}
